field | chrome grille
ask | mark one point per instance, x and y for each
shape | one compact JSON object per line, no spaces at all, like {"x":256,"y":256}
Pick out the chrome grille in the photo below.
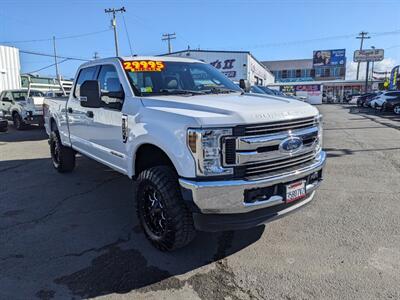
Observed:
{"x":276,"y":165}
{"x":273,"y":127}
{"x":255,"y":150}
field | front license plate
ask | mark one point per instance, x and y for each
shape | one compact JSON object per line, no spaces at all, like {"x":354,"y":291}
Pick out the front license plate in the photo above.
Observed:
{"x":295,"y":191}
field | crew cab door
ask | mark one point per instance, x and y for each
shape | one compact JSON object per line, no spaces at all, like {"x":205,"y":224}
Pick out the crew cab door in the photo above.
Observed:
{"x":80,"y":118}
{"x":97,"y":132}
{"x":105,"y":131}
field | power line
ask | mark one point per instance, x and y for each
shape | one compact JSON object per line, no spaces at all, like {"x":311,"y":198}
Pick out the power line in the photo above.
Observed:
{"x":52,"y":55}
{"x":46,"y":67}
{"x":127,"y":35}
{"x":60,"y":38}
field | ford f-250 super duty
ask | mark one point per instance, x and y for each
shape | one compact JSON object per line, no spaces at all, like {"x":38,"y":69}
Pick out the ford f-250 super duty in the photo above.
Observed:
{"x":24,"y":106}
{"x":205,"y":154}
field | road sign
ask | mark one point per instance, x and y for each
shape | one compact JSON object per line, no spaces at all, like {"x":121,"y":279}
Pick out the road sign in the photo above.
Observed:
{"x":368,"y":55}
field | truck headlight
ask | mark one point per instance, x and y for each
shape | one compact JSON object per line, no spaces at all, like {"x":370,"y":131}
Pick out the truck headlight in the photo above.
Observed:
{"x":205,"y":145}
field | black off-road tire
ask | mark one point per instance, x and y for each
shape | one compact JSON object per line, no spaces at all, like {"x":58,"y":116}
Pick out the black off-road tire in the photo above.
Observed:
{"x":179,"y":229}
{"x":63,"y":158}
{"x":19,"y":124}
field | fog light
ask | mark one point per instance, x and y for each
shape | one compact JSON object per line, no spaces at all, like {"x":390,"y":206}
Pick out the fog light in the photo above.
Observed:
{"x":314,"y":176}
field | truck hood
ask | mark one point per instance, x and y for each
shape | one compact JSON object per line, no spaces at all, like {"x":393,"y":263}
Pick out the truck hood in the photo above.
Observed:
{"x":231,"y":109}
{"x":34,"y":101}
{"x":37,"y":100}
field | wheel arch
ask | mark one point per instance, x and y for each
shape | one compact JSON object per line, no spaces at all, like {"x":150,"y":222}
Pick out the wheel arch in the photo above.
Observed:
{"x":148,"y":155}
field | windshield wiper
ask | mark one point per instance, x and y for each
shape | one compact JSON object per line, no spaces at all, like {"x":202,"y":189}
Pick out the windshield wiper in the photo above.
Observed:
{"x":180,"y":92}
{"x":219,"y":90}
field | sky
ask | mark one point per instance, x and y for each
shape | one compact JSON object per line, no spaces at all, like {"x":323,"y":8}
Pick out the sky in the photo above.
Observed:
{"x":271,"y":30}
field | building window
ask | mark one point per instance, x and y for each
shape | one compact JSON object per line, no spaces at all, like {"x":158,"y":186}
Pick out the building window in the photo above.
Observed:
{"x":312,"y":73}
{"x":284,"y":73}
{"x":298,"y":73}
{"x":327,"y":72}
{"x":342,"y":71}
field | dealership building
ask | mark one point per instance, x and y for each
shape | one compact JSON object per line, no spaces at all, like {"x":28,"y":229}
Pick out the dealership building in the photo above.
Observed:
{"x":322,"y":77}
{"x":325,"y":65}
{"x":235,"y":65}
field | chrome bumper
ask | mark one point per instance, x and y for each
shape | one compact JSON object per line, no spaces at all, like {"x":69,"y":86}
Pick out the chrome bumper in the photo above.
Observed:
{"x":227,"y":197}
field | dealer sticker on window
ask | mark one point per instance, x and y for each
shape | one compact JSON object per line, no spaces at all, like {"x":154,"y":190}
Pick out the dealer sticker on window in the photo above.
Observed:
{"x":144,"y":66}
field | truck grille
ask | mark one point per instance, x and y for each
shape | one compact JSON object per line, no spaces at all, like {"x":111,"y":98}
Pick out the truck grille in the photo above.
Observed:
{"x":254,"y":150}
{"x":267,"y":128}
{"x":255,"y":170}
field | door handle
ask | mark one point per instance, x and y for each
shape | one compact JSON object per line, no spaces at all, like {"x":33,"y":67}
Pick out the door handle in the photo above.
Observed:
{"x":70,"y":110}
{"x":89,"y":114}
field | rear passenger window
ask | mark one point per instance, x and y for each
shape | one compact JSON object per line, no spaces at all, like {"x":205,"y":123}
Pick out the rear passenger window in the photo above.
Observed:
{"x":111,"y":88}
{"x":85,"y":74}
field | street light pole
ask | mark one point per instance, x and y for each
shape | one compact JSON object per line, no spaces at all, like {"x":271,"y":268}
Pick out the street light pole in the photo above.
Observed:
{"x":366,"y":78}
{"x":372,"y":67}
{"x":56,"y":65}
{"x":114,"y":25}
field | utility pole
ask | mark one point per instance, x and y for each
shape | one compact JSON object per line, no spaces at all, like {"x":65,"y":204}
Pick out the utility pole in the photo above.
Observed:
{"x":56,"y":65}
{"x":362,"y":35}
{"x":96,"y":55}
{"x":168,"y":37}
{"x":366,"y":78}
{"x":114,"y":24}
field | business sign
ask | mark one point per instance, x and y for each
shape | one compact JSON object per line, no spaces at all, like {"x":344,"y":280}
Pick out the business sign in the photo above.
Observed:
{"x":335,"y":57}
{"x":308,"y":88}
{"x":394,"y":75}
{"x":368,"y":55}
{"x":287,"y":88}
{"x":225,"y":66}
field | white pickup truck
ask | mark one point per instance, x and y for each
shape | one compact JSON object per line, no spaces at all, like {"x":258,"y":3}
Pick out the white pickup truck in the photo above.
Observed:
{"x":205,"y":155}
{"x":24,"y":107}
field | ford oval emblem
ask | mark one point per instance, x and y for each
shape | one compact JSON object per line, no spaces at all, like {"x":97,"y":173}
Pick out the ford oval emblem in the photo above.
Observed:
{"x":291,"y":144}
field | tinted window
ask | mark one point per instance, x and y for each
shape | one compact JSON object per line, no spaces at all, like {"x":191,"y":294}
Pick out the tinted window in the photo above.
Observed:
{"x":202,"y":78}
{"x":393,"y":94}
{"x":178,"y":78}
{"x":110,"y":83}
{"x":85,"y":74}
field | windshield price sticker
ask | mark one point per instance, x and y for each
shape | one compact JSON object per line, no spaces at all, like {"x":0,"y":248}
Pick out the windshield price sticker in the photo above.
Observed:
{"x":144,"y":66}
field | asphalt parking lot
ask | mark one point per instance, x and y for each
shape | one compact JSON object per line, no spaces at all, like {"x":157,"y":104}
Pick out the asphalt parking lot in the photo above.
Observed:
{"x":76,"y":235}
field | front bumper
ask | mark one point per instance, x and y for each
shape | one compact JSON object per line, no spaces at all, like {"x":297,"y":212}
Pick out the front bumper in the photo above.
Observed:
{"x":33,"y":118}
{"x":212,"y":198}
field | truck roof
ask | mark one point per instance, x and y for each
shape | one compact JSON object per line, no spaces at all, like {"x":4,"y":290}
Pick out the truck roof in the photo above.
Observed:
{"x":22,"y":90}
{"x":132,"y":58}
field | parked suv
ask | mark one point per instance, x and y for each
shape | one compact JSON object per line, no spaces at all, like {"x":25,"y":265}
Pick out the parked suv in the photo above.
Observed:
{"x":363,"y":99}
{"x":378,"y":101}
{"x":205,"y":154}
{"x":392,"y":104}
{"x":22,"y":108}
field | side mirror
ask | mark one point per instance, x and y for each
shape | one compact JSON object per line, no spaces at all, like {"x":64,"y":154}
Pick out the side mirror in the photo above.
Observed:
{"x":244,"y":85}
{"x":90,"y":94}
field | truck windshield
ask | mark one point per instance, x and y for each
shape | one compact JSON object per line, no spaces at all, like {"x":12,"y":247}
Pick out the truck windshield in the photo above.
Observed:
{"x":150,"y":78}
{"x":22,"y":95}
